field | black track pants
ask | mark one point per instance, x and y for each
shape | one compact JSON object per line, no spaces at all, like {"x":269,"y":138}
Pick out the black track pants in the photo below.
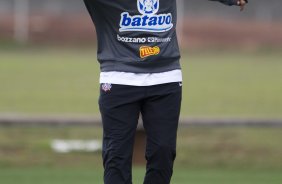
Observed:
{"x":120,"y":106}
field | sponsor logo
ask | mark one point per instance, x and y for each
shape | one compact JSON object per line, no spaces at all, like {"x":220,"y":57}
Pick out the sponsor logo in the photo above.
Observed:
{"x":131,"y":40}
{"x":148,"y":21}
{"x":106,"y":87}
{"x":146,"y":51}
{"x":143,"y":39}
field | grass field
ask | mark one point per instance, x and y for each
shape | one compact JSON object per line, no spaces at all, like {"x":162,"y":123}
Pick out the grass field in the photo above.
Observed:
{"x":48,"y":80}
{"x":198,"y":147}
{"x":94,"y":176}
{"x":205,"y":156}
{"x":51,"y":81}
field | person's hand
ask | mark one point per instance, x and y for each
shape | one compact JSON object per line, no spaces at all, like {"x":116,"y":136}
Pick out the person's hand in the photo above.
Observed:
{"x":242,"y":4}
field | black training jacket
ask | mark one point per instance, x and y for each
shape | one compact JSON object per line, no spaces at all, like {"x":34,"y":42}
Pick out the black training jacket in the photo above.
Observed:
{"x":137,"y":36}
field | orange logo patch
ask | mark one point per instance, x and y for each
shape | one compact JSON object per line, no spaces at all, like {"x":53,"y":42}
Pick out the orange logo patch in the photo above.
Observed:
{"x":146,"y":51}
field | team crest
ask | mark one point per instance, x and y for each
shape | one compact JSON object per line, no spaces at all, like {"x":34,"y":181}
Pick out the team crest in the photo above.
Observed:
{"x":106,"y":87}
{"x":146,"y":7}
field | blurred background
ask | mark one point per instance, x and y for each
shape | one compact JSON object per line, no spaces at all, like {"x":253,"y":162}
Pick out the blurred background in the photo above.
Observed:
{"x":230,"y":130}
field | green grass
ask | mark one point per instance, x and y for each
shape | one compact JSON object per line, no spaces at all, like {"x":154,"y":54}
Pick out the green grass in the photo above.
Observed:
{"x":94,"y":176}
{"x":44,"y":81}
{"x":57,"y":80}
{"x":256,"y":148}
{"x":205,"y":156}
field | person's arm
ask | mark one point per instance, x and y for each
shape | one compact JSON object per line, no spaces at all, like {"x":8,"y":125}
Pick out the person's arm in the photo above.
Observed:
{"x":240,"y":3}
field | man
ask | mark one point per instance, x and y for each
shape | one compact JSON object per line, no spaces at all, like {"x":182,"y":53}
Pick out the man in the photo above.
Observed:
{"x":140,"y":72}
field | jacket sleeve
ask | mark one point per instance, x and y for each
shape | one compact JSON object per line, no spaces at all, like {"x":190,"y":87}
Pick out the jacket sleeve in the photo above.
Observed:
{"x":227,"y":2}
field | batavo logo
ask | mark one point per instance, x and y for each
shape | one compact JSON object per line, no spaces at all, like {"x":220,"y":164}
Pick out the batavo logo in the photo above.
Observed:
{"x":146,"y":51}
{"x":149,"y":20}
